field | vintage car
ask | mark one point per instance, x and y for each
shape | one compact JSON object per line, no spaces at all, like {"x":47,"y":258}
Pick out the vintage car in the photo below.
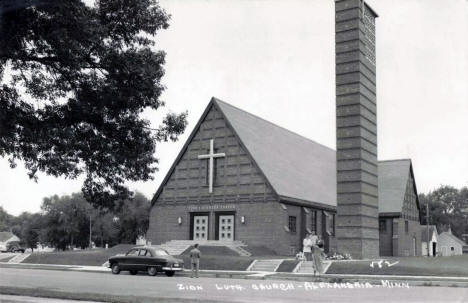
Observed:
{"x":15,"y":247}
{"x":147,"y":258}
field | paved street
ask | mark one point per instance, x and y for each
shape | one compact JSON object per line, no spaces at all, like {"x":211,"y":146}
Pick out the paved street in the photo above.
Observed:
{"x":223,"y":290}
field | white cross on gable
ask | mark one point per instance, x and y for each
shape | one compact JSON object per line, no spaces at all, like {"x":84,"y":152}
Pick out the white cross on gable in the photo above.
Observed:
{"x":211,"y":156}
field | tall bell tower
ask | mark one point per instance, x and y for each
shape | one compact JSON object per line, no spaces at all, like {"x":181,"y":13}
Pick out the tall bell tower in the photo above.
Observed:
{"x":356,"y":129}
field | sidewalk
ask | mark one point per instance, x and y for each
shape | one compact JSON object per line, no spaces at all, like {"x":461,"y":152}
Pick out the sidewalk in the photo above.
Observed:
{"x":338,"y":278}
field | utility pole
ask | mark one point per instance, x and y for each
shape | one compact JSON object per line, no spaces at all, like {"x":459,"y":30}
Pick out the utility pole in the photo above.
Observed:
{"x":90,"y":242}
{"x":427,"y":227}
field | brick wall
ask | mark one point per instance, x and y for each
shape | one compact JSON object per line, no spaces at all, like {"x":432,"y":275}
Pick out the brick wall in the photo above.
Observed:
{"x":386,"y":237}
{"x":237,"y":179}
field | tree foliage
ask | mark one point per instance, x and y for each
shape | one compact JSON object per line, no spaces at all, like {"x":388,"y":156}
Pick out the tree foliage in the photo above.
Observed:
{"x":28,"y":228}
{"x":74,"y":81}
{"x":6,"y":220}
{"x":67,"y":221}
{"x":448,"y":206}
{"x":133,"y":218}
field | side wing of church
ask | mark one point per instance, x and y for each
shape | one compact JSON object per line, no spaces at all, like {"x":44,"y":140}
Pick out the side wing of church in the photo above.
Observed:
{"x":241,"y":178}
{"x":399,"y":210}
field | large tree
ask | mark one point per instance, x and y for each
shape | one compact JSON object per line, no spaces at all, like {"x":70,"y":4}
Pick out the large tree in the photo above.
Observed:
{"x":66,"y":221}
{"x":74,"y":81}
{"x":6,"y":220}
{"x":133,"y":218}
{"x":448,"y":206}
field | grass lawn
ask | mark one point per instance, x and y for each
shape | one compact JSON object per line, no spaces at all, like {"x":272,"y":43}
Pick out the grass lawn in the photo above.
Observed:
{"x":455,"y":266}
{"x":6,"y":259}
{"x":212,"y":251}
{"x":287,"y":266}
{"x":94,"y":257}
{"x":213,"y":258}
{"x":215,"y":262}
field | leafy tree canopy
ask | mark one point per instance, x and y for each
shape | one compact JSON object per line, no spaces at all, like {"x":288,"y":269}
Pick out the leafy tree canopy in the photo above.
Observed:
{"x":74,"y":81}
{"x":448,"y":206}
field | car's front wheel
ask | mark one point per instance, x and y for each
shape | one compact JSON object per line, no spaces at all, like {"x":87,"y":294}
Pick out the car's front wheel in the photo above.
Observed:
{"x":116,"y":268}
{"x":170,"y":273}
{"x":152,"y":271}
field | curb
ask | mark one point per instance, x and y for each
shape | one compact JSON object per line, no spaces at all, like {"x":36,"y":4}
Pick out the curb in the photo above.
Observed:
{"x":333,"y":278}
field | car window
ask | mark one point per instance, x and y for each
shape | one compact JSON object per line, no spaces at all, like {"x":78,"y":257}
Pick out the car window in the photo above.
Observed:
{"x":133,"y":252}
{"x":142,"y":252}
{"x":160,"y":252}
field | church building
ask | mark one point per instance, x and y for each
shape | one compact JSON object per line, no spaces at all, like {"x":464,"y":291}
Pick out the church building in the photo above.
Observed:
{"x":240,"y":177}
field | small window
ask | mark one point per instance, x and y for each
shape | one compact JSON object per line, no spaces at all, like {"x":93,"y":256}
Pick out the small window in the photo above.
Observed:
{"x":292,"y":224}
{"x":313,"y":221}
{"x":406,"y":227}
{"x":142,"y":252}
{"x":383,"y":226}
{"x":332,"y":223}
{"x":452,"y":248}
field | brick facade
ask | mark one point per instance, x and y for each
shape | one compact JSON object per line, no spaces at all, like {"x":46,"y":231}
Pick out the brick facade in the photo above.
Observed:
{"x":356,"y":129}
{"x":401,"y":235}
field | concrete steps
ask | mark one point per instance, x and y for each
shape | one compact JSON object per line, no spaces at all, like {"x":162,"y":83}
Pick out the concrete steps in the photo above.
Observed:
{"x":307,"y":267}
{"x":266,"y":265}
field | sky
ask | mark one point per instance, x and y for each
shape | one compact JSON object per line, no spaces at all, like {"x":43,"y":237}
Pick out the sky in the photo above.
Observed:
{"x":275,"y":59}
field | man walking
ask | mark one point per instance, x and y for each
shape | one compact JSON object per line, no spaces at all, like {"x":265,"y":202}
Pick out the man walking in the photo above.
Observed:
{"x":195,"y":255}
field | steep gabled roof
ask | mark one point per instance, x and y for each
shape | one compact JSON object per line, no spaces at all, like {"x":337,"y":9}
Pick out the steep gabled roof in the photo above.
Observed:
{"x":393,"y":179}
{"x":5,"y":235}
{"x":296,"y":167}
{"x":453,"y":237}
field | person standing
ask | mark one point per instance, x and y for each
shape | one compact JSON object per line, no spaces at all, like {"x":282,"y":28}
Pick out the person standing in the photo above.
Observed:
{"x":195,"y":256}
{"x":307,"y":247}
{"x":317,"y":256}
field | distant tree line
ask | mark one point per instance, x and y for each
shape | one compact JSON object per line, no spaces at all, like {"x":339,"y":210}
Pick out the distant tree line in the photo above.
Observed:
{"x":448,"y":206}
{"x":64,"y":222}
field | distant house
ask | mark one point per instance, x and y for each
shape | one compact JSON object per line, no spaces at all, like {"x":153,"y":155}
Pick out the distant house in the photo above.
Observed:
{"x":399,"y":219}
{"x":433,"y":237}
{"x":450,"y":245}
{"x":5,"y":238}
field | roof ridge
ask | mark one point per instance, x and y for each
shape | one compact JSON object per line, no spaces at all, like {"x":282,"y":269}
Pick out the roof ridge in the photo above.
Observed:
{"x":274,"y":124}
{"x":395,"y":160}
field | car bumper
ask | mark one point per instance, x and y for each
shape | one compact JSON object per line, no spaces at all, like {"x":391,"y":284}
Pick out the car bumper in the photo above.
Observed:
{"x":172,"y":268}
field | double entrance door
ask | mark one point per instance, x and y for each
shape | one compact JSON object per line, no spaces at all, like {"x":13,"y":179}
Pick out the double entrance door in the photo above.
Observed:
{"x":200,"y":227}
{"x":224,"y":227}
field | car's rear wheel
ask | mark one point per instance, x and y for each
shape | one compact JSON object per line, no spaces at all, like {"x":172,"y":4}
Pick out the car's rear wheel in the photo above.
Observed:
{"x":133,"y":272}
{"x":116,"y":268}
{"x":152,"y":271}
{"x":170,"y":273}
